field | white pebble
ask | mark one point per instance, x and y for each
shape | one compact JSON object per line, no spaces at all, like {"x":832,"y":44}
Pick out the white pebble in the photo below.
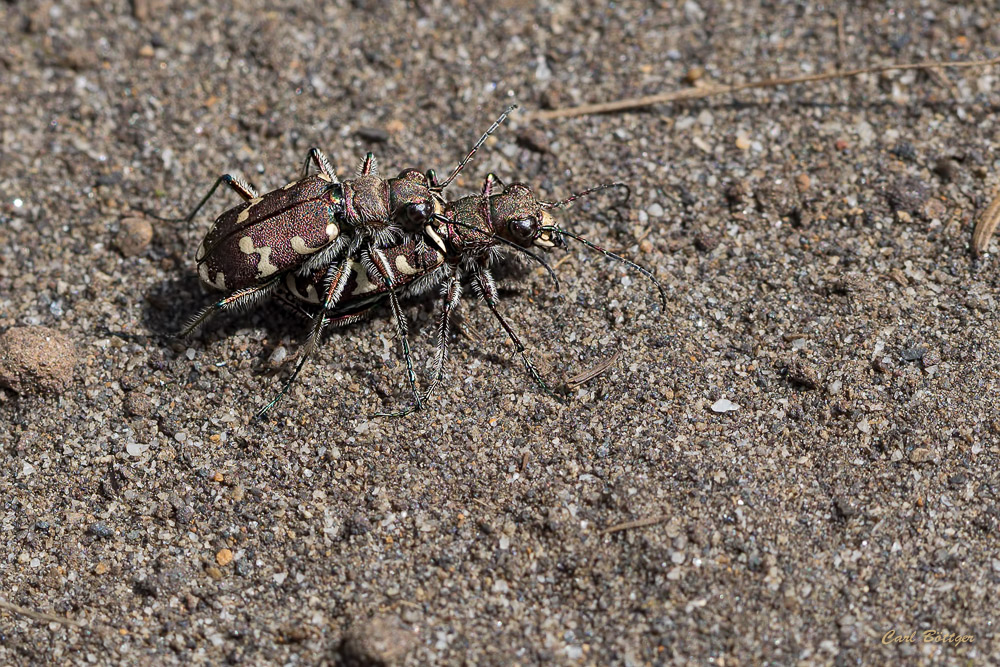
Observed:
{"x":724,"y":405}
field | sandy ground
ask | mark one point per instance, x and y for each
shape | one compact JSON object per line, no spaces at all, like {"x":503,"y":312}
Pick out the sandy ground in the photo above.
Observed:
{"x":813,"y":242}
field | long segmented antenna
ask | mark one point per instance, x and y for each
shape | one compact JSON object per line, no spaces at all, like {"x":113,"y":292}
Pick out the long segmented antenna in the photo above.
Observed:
{"x":608,"y":253}
{"x":537,"y":258}
{"x":479,"y":144}
{"x":578,"y":195}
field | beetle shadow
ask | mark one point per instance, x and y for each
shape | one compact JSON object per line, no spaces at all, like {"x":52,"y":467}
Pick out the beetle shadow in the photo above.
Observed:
{"x":170,"y":305}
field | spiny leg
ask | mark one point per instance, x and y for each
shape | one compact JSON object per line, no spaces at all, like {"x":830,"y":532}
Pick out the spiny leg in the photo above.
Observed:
{"x":452,"y":294}
{"x":380,"y":264}
{"x":239,"y":299}
{"x":239,"y":186}
{"x":369,"y":165}
{"x":294,"y":305}
{"x":488,"y":291}
{"x":336,"y":280}
{"x":318,"y":158}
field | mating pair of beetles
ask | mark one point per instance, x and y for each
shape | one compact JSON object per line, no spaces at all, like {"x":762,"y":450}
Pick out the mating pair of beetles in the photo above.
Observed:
{"x":346,"y":246}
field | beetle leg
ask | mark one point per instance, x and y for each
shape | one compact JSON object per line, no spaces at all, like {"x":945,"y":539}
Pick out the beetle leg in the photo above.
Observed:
{"x":452,"y":294}
{"x":238,"y":300}
{"x":318,"y":158}
{"x":336,"y":280}
{"x":368,"y":166}
{"x":488,"y":291}
{"x":381,"y":268}
{"x":239,"y":186}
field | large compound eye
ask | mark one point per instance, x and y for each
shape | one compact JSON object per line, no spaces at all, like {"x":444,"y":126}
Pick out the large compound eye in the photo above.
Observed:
{"x":523,"y":230}
{"x":418,"y":213}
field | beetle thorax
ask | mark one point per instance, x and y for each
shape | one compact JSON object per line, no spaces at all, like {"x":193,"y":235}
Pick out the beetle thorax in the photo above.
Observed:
{"x":366,"y":202}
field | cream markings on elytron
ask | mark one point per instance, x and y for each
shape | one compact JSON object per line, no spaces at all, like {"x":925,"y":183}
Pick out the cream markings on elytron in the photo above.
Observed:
{"x":404,"y":266}
{"x":299,"y":245}
{"x":364,"y":284}
{"x":290,"y":185}
{"x":264,"y":266}
{"x":311,"y":295}
{"x":218,"y":283}
{"x":245,"y":213}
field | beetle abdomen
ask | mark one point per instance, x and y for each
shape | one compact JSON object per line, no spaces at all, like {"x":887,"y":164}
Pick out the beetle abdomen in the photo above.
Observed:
{"x":274,"y":233}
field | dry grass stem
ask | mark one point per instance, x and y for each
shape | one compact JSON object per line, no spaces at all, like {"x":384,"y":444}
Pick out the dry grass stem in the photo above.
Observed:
{"x":986,"y":224}
{"x":38,"y":615}
{"x":591,"y":373}
{"x":709,"y":91}
{"x":638,"y":523}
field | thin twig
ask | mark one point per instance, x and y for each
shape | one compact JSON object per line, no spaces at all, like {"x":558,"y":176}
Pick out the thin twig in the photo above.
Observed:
{"x":638,"y":523}
{"x":986,"y":225}
{"x":590,"y":374}
{"x":38,"y":615}
{"x":841,"y":39}
{"x":708,"y":91}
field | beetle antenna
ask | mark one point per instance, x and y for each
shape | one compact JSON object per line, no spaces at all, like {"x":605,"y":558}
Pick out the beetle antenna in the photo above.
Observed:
{"x":578,"y":195}
{"x":608,"y":253}
{"x":479,"y":144}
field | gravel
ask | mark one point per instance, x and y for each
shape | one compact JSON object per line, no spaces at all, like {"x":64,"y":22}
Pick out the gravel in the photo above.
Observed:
{"x":810,"y":239}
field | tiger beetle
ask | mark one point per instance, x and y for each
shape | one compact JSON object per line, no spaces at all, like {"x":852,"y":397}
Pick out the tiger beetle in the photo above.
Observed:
{"x":475,"y":232}
{"x":319,"y":224}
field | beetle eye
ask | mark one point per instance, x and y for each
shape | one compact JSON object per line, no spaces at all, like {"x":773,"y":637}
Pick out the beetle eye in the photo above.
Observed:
{"x":523,"y":229}
{"x":418,"y":213}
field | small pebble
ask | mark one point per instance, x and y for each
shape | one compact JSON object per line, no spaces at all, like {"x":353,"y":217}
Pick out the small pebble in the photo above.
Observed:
{"x":947,"y":169}
{"x":383,"y":640}
{"x":278,"y":356}
{"x":224,"y":557}
{"x":803,"y":375}
{"x":724,"y":405}
{"x":742,"y":142}
{"x":373,"y":134}
{"x":694,"y":74}
{"x":137,"y":405}
{"x":147,"y":51}
{"x":706,"y":241}
{"x":101,"y":530}
{"x":534,"y":141}
{"x":36,"y":359}
{"x":655,"y":210}
{"x":844,"y":508}
{"x":134,"y":236}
